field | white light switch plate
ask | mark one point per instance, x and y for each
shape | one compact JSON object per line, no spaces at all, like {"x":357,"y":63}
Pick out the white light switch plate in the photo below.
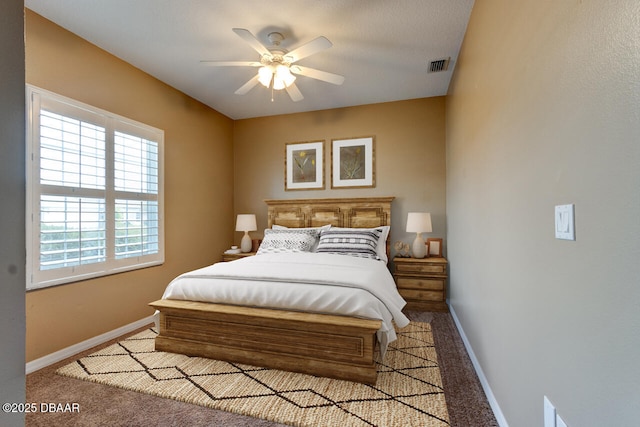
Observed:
{"x":560,"y":422}
{"x":549,"y":413}
{"x":565,"y":228}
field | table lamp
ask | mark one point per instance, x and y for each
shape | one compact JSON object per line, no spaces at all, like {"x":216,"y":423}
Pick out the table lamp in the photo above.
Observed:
{"x":419,"y":222}
{"x":246,"y":223}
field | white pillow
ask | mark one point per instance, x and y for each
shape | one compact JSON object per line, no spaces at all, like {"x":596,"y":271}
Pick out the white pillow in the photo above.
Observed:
{"x":382,"y":242}
{"x":318,"y":229}
{"x":286,"y":241}
{"x":381,"y":249}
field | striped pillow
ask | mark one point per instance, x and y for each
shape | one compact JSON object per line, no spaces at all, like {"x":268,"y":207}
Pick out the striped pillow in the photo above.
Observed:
{"x":361,"y":243}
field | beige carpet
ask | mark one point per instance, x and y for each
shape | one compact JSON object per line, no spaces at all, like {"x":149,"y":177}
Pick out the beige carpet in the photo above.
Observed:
{"x":408,"y":391}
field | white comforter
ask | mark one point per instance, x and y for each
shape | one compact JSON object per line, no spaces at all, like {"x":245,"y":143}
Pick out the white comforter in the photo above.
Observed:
{"x":315,"y":282}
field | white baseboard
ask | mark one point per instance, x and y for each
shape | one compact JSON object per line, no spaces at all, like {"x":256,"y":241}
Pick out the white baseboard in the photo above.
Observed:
{"x":59,"y":355}
{"x":502,"y":422}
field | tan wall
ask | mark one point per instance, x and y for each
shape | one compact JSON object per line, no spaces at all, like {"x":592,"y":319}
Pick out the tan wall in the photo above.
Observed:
{"x":543,"y":110}
{"x":198,"y":185}
{"x":409,"y":157}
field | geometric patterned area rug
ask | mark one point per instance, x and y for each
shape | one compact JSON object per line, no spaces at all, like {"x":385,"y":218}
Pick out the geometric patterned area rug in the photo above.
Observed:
{"x":408,"y":391}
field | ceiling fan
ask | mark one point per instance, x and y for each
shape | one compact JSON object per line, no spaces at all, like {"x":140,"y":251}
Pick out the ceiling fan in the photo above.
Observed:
{"x":277,"y":66}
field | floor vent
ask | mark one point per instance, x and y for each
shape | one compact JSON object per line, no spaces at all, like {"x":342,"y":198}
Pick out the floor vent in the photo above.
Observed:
{"x":439,"y":65}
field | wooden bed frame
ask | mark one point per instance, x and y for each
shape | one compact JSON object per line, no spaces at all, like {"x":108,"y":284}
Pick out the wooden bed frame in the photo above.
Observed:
{"x":326,"y":345}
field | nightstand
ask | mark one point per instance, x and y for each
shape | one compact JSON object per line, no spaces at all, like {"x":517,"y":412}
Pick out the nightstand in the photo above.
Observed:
{"x":422,"y":282}
{"x":231,"y":257}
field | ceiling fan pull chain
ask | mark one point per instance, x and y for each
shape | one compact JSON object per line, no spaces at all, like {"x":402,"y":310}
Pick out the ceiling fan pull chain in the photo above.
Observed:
{"x":271,"y":89}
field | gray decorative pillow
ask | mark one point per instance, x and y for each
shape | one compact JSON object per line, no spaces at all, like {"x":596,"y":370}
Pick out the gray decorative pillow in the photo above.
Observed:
{"x":350,"y":241}
{"x":287,"y":241}
{"x":318,"y":229}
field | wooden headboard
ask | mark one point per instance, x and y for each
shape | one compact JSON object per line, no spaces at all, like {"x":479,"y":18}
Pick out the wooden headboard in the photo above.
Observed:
{"x":366,"y":212}
{"x":356,"y":213}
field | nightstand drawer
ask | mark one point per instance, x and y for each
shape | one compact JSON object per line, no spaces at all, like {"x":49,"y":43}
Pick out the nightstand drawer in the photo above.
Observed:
{"x":417,"y":283}
{"x":421,"y":268}
{"x":410,"y":294}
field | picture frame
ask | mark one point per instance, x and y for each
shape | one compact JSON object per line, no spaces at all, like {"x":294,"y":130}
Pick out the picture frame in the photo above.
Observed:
{"x":434,"y":247}
{"x":353,"y":162}
{"x":304,"y":166}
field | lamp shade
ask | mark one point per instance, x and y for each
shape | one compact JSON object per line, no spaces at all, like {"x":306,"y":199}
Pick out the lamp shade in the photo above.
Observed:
{"x":246,"y":222}
{"x":419,"y":222}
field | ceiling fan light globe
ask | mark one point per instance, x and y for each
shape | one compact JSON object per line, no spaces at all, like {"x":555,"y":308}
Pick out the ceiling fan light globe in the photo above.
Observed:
{"x":282,"y":71}
{"x":283,"y":74}
{"x":278,"y":84}
{"x":264,"y":76}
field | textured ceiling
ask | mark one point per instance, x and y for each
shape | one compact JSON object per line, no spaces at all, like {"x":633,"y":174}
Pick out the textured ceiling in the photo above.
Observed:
{"x":381,"y":47}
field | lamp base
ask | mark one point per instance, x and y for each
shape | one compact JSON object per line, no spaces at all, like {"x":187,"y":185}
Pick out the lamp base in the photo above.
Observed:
{"x":419,"y":249}
{"x":245,"y":243}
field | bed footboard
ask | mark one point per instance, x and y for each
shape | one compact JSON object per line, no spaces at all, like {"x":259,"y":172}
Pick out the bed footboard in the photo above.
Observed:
{"x":331,"y":346}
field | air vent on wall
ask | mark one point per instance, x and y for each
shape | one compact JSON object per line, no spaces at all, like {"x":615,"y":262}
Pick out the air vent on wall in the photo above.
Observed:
{"x":439,"y":65}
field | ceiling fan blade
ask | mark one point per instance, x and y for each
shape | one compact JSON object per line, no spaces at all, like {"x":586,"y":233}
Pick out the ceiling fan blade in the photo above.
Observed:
{"x":294,"y":93}
{"x":252,"y":40}
{"x":317,"y":74}
{"x":314,"y":46}
{"x":231,"y":63}
{"x":248,"y":86}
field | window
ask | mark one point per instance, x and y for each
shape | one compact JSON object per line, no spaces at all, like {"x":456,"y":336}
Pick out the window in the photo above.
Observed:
{"x":94,"y":192}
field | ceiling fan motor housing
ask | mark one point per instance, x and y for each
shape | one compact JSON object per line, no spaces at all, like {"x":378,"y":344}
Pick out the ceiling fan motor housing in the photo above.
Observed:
{"x":275,"y":38}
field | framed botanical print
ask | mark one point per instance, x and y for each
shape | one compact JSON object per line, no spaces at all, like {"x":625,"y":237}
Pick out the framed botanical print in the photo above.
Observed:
{"x":352,"y":163}
{"x":303,"y":166}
